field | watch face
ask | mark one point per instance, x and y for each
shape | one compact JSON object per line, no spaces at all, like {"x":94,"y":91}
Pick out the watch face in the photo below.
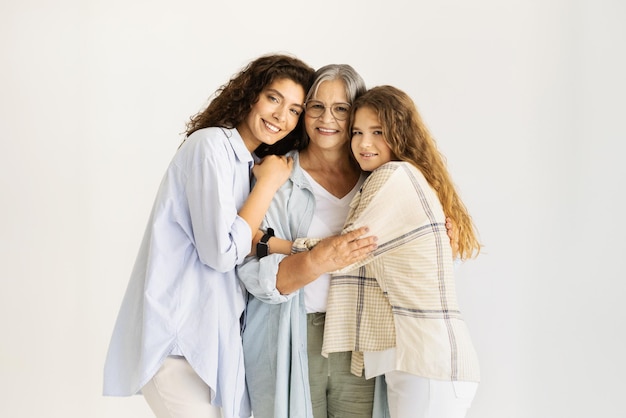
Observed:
{"x":261,"y":249}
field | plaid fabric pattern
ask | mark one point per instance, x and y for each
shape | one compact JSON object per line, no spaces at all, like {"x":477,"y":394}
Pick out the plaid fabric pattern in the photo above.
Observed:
{"x":403,"y":295}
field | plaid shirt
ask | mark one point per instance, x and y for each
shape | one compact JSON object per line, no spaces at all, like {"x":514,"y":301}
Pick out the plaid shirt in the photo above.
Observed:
{"x":403,"y":295}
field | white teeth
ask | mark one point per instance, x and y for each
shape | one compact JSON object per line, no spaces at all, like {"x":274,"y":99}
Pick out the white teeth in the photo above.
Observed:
{"x":271,"y":127}
{"x":368,"y":155}
{"x":328,"y":131}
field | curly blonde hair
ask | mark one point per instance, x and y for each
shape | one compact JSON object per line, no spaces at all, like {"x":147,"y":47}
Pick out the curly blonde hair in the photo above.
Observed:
{"x":410,"y":141}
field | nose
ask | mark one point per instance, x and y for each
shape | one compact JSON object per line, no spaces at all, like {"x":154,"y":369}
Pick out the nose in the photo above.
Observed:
{"x":327,"y":115}
{"x":280,"y":113}
{"x":365,"y":141}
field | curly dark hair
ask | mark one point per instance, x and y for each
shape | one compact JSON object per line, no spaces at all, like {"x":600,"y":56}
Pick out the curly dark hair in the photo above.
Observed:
{"x":232,"y":102}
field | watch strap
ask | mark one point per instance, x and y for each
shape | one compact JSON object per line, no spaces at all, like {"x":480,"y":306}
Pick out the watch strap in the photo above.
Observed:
{"x":262,"y":247}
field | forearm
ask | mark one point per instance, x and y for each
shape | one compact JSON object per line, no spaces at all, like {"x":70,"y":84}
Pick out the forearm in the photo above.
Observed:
{"x":296,"y":271}
{"x":254,"y":209}
{"x":279,"y":246}
{"x":276,"y":245}
{"x":322,"y":256}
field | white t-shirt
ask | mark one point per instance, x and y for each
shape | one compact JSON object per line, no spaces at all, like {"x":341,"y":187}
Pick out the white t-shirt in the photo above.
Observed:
{"x":330,"y":215}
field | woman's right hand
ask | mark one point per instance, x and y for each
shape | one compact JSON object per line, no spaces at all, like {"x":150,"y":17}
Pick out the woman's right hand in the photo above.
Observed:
{"x":339,"y":251}
{"x":329,"y":254}
{"x":273,"y":170}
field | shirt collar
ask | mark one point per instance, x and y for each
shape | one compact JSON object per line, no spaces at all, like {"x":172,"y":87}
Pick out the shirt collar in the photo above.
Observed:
{"x":239,"y":147}
{"x":297,"y":174}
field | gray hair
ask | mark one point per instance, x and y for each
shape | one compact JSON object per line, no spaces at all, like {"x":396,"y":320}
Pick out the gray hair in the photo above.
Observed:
{"x":354,"y":84}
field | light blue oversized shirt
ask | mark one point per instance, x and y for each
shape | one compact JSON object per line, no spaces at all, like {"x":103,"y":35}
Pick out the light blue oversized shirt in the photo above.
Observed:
{"x":275,"y":335}
{"x":183,"y":296}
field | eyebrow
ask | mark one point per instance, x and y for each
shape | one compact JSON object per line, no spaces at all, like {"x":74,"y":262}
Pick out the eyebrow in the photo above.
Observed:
{"x":370,"y":128}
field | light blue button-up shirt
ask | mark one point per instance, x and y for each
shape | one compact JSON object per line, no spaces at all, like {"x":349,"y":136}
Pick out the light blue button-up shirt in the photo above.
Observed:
{"x":183,"y":296}
{"x":275,"y":336}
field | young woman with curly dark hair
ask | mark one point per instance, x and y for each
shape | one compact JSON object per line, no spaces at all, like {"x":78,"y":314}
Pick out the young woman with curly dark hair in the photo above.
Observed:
{"x":177,"y":337}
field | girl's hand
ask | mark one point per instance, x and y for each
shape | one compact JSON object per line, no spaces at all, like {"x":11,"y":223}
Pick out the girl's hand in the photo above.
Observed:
{"x":453,"y":234}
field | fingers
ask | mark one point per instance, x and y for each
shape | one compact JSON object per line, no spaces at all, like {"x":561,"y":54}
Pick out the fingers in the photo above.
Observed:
{"x":275,"y":158}
{"x":453,"y":233}
{"x":282,"y":162}
{"x":359,"y":246}
{"x":340,"y":251}
{"x":354,"y":235}
{"x":449,"y":227}
{"x":363,"y":248}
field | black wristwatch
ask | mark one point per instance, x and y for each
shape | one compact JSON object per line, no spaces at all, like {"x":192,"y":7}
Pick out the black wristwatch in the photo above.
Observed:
{"x":262,"y":247}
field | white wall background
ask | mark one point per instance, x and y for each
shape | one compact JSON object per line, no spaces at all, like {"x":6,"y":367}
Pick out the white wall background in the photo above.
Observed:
{"x":526,"y":99}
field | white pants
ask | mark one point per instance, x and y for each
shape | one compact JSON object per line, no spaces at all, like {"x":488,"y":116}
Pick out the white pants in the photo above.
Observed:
{"x":412,"y":396}
{"x":176,"y":391}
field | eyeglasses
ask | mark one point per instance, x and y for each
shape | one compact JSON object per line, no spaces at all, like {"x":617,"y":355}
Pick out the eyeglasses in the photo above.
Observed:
{"x":315,"y":109}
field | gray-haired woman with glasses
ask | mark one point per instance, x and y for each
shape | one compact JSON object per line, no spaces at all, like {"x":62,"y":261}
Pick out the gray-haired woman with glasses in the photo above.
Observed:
{"x":286,"y":374}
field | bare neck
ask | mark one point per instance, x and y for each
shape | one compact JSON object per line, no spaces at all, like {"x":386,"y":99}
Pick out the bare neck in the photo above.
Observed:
{"x":334,"y":170}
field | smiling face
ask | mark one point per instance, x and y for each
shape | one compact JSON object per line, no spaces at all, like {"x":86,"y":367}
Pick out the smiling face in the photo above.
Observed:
{"x":368,"y":141}
{"x":325,"y":131}
{"x":274,"y":115}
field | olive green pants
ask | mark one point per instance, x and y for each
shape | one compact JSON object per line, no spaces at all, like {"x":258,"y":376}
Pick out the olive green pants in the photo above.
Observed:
{"x":335,"y":392}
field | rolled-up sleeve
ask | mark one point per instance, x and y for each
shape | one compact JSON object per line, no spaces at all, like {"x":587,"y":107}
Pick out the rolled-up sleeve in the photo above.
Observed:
{"x":259,"y":278}
{"x":289,"y":215}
